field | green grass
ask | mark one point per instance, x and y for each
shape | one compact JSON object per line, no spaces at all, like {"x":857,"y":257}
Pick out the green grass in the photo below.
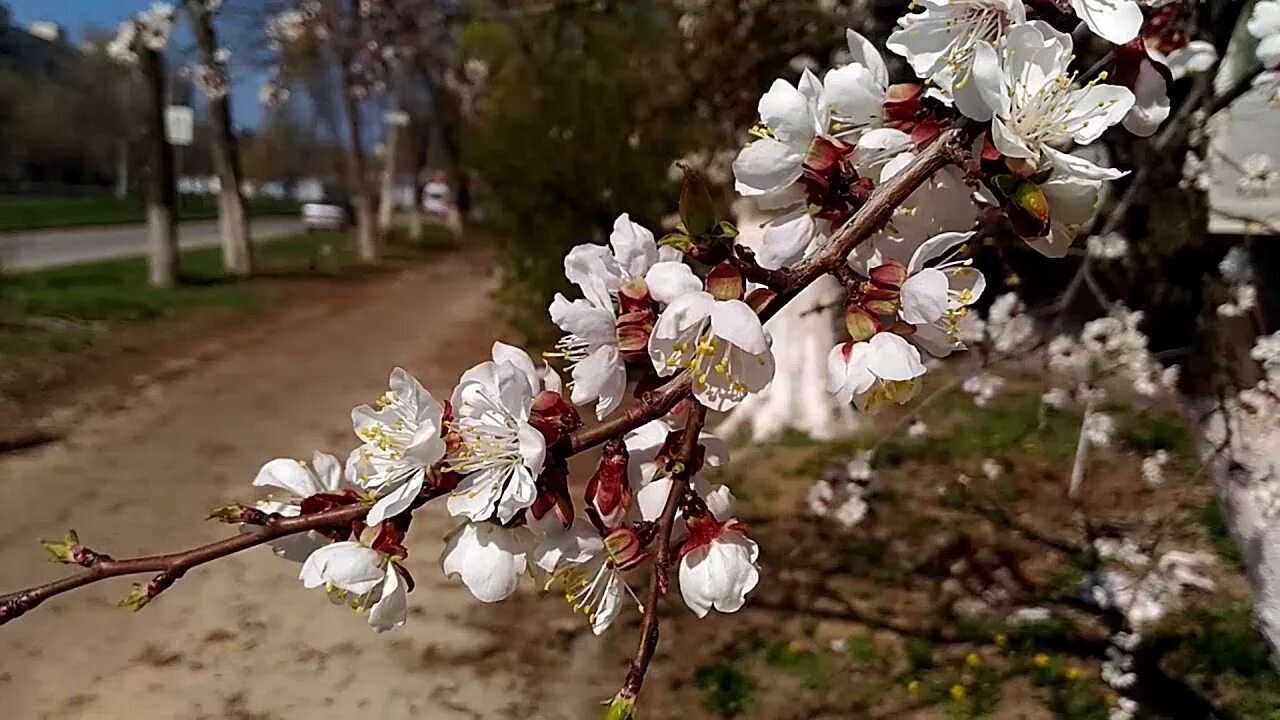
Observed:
{"x":50,"y":318}
{"x":1009,"y":426}
{"x":18,"y":213}
{"x":727,"y":691}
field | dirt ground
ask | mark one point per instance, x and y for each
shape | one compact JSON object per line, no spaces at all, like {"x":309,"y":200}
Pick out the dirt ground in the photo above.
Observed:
{"x":242,"y":639}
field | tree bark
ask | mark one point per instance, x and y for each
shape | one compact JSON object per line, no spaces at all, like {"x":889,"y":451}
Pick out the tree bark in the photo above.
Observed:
{"x":367,"y":244}
{"x":233,"y":218}
{"x":386,"y":199}
{"x":162,"y":230}
{"x":804,"y":332}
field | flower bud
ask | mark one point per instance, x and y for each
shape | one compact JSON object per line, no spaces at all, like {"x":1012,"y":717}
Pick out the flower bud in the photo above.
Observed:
{"x":608,"y":492}
{"x":624,"y":549}
{"x":860,"y":323}
{"x":724,"y":282}
{"x":880,"y":301}
{"x":634,"y":329}
{"x":553,"y":493}
{"x":890,"y":275}
{"x":553,"y":416}
{"x":634,"y":296}
{"x":697,"y":209}
{"x":902,"y":102}
{"x":623,"y":707}
{"x":1020,"y":168}
{"x":1028,"y":210}
{"x":63,"y":552}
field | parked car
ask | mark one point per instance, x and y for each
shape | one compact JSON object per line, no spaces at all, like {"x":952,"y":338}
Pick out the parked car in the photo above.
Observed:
{"x":437,"y":200}
{"x":331,"y":212}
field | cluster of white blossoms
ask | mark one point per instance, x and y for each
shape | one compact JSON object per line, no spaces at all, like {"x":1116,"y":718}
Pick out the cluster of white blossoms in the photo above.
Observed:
{"x":842,"y":495}
{"x":1109,"y":355}
{"x":1141,"y":588}
{"x":1237,"y":273}
{"x":1257,"y":175}
{"x":1112,"y":246}
{"x":149,"y":29}
{"x":690,"y":306}
{"x":1007,"y":330}
{"x":1264,"y":25}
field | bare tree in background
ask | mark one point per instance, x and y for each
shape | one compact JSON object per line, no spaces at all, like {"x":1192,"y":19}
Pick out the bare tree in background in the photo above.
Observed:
{"x":162,"y":220}
{"x":233,"y":217}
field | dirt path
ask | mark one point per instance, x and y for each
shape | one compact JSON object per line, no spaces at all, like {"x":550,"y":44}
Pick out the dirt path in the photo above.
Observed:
{"x":242,"y":639}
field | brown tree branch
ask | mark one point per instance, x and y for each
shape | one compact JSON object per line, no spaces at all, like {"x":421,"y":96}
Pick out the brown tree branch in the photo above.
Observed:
{"x":662,"y":561}
{"x":172,"y":566}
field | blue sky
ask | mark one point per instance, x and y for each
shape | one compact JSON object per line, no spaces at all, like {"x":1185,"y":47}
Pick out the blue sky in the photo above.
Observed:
{"x":76,"y":16}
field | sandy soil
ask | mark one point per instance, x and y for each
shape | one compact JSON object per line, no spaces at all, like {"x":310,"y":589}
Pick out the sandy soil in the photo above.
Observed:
{"x":242,"y":639}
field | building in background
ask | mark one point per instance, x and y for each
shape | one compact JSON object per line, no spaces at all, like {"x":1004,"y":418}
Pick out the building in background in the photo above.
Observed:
{"x":42,"y":48}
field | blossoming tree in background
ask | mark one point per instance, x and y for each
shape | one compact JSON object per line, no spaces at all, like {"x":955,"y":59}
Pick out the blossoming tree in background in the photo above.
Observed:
{"x":879,"y":189}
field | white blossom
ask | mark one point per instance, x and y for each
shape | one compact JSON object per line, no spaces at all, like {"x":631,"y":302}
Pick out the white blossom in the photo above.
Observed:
{"x":298,"y":480}
{"x":721,"y":342}
{"x":487,"y":557}
{"x":1116,"y":21}
{"x":591,"y":344}
{"x":718,"y":568}
{"x":1264,"y":24}
{"x":983,"y":387}
{"x":874,"y":372}
{"x":1153,"y":468}
{"x":940,"y":44}
{"x":402,"y":442}
{"x":1034,"y":98}
{"x":362,"y":578}
{"x":500,"y":453}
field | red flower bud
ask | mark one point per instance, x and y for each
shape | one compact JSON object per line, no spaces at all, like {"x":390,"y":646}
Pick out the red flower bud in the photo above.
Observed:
{"x":553,"y":416}
{"x":553,"y":493}
{"x":890,"y":275}
{"x":634,"y":296}
{"x":608,"y":492}
{"x":634,"y":329}
{"x":902,"y":102}
{"x":724,"y":282}
{"x":624,"y":549}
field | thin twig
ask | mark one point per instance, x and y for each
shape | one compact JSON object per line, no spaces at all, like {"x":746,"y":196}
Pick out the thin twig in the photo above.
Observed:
{"x":172,"y":566}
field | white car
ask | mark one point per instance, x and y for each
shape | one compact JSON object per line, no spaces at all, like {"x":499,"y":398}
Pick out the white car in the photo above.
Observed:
{"x":325,"y":216}
{"x":436,"y":200}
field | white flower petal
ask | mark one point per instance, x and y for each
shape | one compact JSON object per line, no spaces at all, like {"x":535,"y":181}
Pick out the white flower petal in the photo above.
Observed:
{"x":291,"y":476}
{"x":736,"y":322}
{"x":1116,"y":21}
{"x":488,"y":558}
{"x":765,"y":166}
{"x":669,"y":280}
{"x":349,"y":566}
{"x":633,"y":246}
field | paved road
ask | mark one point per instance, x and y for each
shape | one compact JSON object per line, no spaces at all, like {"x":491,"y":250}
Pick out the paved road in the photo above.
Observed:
{"x":68,"y":246}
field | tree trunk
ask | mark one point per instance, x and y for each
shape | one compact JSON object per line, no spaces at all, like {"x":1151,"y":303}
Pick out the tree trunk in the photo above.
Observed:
{"x":803,"y":336}
{"x":233,"y":219}
{"x":421,"y":142}
{"x":367,"y":244}
{"x":162,"y":230}
{"x":386,"y":200}
{"x":1173,"y":278}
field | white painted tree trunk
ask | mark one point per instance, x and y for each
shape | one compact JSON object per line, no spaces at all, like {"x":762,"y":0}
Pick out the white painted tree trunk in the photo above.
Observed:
{"x":162,"y":243}
{"x":1238,"y":448}
{"x":803,"y":335}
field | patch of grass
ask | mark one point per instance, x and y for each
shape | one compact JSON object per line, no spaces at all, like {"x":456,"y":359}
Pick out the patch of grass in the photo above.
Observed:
{"x":19,"y":213}
{"x":1146,"y":430}
{"x":727,"y":691}
{"x":862,"y":649}
{"x":919,"y":654}
{"x":1216,"y":526}
{"x":1222,"y":653}
{"x":805,"y":665}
